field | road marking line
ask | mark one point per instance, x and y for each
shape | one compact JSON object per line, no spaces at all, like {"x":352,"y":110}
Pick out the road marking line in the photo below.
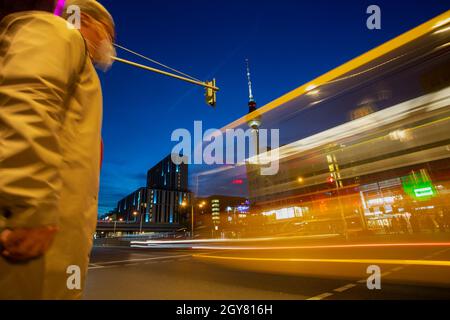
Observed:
{"x":321,"y":296}
{"x":103,"y":267}
{"x":184,"y":259}
{"x":140,"y":260}
{"x":384,"y":274}
{"x":357,"y":261}
{"x":441,"y":252}
{"x":94,"y":265}
{"x":397,"y":269}
{"x":346,"y":287}
{"x":362,"y":281}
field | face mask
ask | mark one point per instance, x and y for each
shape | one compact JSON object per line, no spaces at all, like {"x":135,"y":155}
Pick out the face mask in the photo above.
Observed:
{"x":106,"y":53}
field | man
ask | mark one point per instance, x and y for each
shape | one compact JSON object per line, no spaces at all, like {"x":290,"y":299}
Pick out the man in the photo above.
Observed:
{"x":50,"y":123}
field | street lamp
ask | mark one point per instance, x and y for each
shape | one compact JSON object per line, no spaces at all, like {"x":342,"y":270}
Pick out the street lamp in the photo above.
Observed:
{"x":184,"y":204}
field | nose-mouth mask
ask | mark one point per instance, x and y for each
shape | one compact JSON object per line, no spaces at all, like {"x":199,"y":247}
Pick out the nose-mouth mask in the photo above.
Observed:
{"x":106,"y":54}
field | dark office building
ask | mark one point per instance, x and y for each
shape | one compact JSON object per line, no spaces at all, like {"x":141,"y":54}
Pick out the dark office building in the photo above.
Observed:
{"x":168,"y":176}
{"x":167,"y":206}
{"x":167,"y":185}
{"x":130,"y":207}
{"x":166,"y":199}
{"x":155,"y":206}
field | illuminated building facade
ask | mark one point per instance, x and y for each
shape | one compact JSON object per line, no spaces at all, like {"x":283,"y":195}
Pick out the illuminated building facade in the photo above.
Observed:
{"x":165,"y":198}
{"x":217,"y":211}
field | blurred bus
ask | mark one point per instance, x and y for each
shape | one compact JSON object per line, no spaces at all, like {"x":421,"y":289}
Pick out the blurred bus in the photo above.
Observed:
{"x":365,"y":148}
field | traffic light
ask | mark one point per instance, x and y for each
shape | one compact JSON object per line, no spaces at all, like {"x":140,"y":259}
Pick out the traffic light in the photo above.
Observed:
{"x":331,"y":180}
{"x":211,"y":94}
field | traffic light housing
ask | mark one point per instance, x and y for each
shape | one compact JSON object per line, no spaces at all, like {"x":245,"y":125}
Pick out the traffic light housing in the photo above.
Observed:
{"x":211,"y":94}
{"x":331,"y":180}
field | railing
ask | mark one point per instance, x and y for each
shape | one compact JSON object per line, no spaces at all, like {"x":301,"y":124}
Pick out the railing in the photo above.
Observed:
{"x":103,"y":226}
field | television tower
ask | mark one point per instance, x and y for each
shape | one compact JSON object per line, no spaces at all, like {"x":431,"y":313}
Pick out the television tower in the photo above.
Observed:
{"x":254,"y":123}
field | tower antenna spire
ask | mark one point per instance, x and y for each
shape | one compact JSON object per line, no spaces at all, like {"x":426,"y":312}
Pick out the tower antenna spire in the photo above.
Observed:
{"x":250,"y":89}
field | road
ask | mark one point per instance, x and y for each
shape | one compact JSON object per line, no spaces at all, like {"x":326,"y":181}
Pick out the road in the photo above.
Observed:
{"x":260,"y":273}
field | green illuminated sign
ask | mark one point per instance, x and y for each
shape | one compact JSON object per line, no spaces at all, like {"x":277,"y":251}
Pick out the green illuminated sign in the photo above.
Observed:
{"x":424,"y":192}
{"x":419,"y":186}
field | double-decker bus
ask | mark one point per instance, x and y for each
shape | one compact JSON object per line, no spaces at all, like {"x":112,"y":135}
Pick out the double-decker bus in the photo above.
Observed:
{"x":364,"y":148}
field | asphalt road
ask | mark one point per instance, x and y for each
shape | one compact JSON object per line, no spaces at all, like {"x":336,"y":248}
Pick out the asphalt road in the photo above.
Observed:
{"x":288,"y":273}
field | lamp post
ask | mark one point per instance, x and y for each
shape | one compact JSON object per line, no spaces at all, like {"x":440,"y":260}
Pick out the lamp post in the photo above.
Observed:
{"x":201,"y":205}
{"x":142,"y":220}
{"x":135,"y":213}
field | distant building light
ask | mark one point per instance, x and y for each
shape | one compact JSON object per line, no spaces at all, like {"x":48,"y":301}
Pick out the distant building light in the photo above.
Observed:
{"x":243,"y":208}
{"x":286,"y":213}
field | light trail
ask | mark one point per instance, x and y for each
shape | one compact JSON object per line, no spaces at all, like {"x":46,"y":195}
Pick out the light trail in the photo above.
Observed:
{"x":153,"y":242}
{"x":433,"y":263}
{"x":343,"y":246}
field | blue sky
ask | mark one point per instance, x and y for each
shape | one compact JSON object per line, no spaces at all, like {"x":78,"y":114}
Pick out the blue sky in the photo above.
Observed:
{"x":288,"y":42}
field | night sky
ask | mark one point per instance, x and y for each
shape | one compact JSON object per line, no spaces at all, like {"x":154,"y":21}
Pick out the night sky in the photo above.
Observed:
{"x":288,"y":42}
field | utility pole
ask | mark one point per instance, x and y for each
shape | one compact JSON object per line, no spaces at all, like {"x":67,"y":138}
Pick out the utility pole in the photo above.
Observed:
{"x":192,"y":221}
{"x":337,"y":179}
{"x":185,"y":205}
{"x":140,"y":228}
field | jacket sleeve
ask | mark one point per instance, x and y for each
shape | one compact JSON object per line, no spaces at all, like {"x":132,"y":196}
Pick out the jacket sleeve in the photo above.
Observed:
{"x":39,"y":60}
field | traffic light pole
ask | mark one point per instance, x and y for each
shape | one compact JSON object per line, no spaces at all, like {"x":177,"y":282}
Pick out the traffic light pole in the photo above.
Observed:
{"x":210,"y":86}
{"x":199,"y":83}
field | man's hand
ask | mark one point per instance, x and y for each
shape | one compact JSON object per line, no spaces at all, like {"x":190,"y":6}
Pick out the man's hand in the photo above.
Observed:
{"x":26,"y":244}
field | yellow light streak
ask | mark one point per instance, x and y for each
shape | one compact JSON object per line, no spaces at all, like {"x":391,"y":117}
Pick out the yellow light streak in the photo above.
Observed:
{"x":434,"y":263}
{"x":357,"y":62}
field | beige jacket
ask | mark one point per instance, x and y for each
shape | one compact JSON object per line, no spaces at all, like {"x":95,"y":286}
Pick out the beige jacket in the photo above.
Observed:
{"x":50,"y":123}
